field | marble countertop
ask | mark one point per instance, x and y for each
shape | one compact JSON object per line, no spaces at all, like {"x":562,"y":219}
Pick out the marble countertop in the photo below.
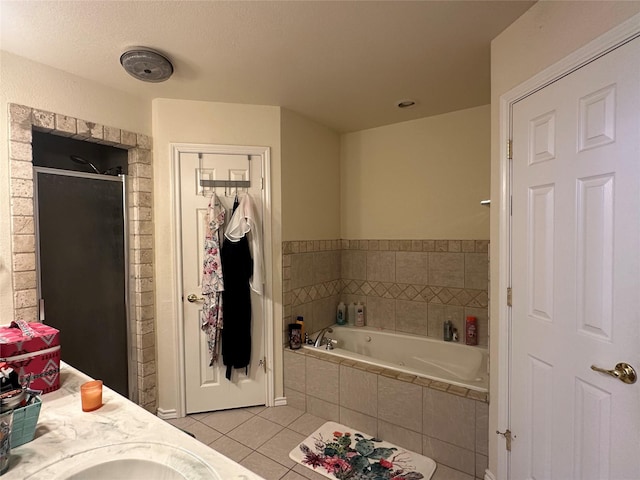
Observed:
{"x":65,"y":432}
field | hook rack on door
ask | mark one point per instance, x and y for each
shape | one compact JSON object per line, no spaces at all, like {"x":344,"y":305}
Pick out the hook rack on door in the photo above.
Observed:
{"x":205,"y":183}
{"x":225,"y":183}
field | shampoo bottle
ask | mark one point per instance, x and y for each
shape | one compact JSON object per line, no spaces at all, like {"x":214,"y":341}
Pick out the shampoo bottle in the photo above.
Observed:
{"x":471,"y":331}
{"x":351,"y":314}
{"x":300,"y":321}
{"x":341,"y":314}
{"x":359,"y":315}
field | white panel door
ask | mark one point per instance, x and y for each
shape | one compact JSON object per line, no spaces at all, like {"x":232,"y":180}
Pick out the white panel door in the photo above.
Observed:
{"x":206,"y":388}
{"x":576,"y":274}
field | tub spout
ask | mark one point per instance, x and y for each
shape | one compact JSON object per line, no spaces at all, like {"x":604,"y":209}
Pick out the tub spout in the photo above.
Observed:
{"x":320,"y":337}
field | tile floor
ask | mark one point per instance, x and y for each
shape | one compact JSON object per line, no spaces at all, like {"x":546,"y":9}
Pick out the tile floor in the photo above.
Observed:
{"x":260,"y":439}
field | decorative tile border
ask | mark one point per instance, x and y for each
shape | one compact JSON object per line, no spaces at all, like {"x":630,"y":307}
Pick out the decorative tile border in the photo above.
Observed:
{"x":418,"y":293}
{"x":22,"y":120}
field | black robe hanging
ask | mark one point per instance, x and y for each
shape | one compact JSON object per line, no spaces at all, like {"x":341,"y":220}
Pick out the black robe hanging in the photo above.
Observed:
{"x":237,"y":268}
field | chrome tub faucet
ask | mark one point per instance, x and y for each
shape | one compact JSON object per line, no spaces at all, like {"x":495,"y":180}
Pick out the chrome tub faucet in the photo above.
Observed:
{"x":320,"y":337}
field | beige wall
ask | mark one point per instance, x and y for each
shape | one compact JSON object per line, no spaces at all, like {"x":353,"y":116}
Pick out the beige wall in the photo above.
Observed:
{"x":421,"y":179}
{"x":311,"y":175}
{"x":181,"y":121}
{"x":545,"y":34}
{"x":35,"y":85}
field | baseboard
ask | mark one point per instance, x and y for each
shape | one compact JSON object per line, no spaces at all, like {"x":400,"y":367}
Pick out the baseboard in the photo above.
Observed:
{"x":488,"y":475}
{"x":166,"y":414}
{"x":280,"y":401}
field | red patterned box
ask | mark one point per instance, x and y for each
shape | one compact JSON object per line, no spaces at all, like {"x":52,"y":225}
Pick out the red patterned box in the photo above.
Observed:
{"x":32,"y":348}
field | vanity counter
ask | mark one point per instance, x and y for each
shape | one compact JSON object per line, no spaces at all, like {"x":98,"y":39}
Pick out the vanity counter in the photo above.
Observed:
{"x":64,"y":432}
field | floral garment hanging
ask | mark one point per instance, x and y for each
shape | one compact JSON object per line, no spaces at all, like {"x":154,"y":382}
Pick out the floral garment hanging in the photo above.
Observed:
{"x":212,"y":283}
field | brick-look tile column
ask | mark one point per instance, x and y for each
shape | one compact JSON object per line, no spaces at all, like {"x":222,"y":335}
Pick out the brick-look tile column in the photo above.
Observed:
{"x":22,"y":224}
{"x":22,"y":120}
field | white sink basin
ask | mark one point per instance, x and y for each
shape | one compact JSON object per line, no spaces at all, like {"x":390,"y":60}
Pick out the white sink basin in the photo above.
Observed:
{"x":130,"y":461}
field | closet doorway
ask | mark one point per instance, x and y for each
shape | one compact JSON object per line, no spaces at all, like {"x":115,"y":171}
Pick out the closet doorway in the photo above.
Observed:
{"x":197,"y":168}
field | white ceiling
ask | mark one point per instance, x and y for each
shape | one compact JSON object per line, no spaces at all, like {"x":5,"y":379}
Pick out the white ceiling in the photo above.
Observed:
{"x":342,"y":63}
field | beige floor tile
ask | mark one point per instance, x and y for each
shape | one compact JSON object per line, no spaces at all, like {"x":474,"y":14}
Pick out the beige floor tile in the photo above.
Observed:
{"x":204,"y":433}
{"x":199,"y":416}
{"x":291,"y":475}
{"x":446,"y":473}
{"x":307,"y":424}
{"x":182,"y":423}
{"x":226,"y":420}
{"x":281,"y":415}
{"x":254,"y":432}
{"x":255,"y":410}
{"x":263,"y":466}
{"x":230,"y":448}
{"x":278,"y":447}
{"x":308,"y":473}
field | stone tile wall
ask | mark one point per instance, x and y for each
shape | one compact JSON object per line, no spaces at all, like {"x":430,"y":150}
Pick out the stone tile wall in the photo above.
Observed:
{"x":22,"y":121}
{"x":441,"y":421}
{"x":410,"y":286}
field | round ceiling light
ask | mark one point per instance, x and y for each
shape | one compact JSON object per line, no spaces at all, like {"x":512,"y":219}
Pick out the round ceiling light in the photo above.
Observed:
{"x":405,"y":103}
{"x":146,"y":65}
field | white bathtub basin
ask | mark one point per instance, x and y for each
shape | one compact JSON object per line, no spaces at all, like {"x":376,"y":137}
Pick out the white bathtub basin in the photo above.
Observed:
{"x":130,"y":461}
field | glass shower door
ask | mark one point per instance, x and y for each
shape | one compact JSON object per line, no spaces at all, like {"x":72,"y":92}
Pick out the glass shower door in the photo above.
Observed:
{"x":82,"y":265}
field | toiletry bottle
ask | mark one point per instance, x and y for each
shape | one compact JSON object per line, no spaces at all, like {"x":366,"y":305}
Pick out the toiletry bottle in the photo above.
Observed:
{"x":359,"y":315}
{"x":471,"y":331}
{"x":351,"y":314}
{"x":300,"y":321}
{"x":341,"y":314}
{"x":447,"y":334}
{"x":295,"y":338}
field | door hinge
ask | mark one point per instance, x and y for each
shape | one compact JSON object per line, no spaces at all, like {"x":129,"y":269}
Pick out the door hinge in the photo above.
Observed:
{"x":509,"y":150}
{"x":263,"y":363}
{"x":508,"y":437}
{"x":509,"y":296}
{"x":262,"y":183}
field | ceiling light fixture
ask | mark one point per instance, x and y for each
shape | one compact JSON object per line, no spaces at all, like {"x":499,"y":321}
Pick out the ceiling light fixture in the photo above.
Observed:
{"x":405,"y":103}
{"x":146,"y":65}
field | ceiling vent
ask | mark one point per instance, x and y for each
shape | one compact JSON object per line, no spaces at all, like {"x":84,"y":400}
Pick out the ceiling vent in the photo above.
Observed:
{"x":146,"y":65}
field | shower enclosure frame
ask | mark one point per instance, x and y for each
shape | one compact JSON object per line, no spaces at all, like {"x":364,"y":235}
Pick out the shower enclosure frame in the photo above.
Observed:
{"x":130,"y":333}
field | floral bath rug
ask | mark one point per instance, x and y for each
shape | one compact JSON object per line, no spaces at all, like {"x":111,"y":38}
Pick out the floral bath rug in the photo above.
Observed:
{"x":340,"y":452}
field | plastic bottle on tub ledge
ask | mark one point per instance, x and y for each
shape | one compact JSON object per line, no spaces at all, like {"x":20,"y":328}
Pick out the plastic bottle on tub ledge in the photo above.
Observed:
{"x":471,"y":331}
{"x":341,"y":314}
{"x":351,"y":314}
{"x":359,"y":315}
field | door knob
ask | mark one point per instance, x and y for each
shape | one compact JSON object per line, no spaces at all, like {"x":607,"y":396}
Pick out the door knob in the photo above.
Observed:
{"x":623,"y":372}
{"x":192,"y":298}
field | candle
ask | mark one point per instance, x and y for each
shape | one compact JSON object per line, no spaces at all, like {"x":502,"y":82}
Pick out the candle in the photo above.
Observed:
{"x":91,"y":395}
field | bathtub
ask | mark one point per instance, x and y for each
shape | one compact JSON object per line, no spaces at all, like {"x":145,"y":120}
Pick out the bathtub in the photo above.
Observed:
{"x":447,"y":362}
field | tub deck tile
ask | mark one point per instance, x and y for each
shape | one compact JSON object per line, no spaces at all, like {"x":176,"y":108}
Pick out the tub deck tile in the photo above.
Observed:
{"x":389,"y":373}
{"x":406,"y":377}
{"x":361,"y":366}
{"x":475,"y":395}
{"x":348,"y":363}
{"x":443,"y":387}
{"x":422,"y":381}
{"x":460,"y":391}
{"x":374,"y":369}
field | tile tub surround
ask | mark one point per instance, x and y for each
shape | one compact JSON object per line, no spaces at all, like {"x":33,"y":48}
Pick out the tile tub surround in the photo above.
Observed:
{"x":22,"y":120}
{"x":64,"y":430}
{"x":409,"y":286}
{"x":438,"y":420}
